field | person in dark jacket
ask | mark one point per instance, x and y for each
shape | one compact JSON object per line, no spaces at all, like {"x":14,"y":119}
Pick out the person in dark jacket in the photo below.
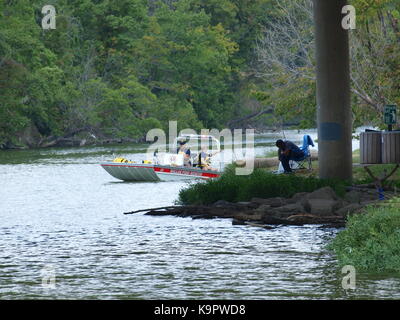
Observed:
{"x":287,"y":151}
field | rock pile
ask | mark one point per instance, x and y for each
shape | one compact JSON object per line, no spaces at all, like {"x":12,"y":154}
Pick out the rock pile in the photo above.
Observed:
{"x":322,"y":206}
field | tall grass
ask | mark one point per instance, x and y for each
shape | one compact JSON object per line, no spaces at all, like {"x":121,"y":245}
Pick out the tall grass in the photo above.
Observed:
{"x":371,"y":241}
{"x":260,"y":183}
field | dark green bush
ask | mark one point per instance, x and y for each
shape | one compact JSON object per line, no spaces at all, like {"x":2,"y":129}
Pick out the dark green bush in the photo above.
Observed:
{"x":260,"y":183}
{"x":371,"y":241}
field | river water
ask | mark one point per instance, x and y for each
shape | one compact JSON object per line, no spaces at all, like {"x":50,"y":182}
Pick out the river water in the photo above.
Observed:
{"x":63,"y":235}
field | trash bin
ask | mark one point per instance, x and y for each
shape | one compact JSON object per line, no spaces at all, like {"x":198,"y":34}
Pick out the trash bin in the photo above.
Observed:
{"x":371,"y":147}
{"x":391,"y":147}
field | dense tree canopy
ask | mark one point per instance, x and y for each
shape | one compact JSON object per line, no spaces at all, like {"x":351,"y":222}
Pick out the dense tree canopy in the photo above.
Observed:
{"x":119,"y":68}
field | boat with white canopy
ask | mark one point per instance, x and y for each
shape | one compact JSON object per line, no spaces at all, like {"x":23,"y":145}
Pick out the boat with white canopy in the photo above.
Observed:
{"x":183,"y":165}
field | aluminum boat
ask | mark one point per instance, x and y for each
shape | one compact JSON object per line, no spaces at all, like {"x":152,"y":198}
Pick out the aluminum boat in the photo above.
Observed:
{"x":164,"y":167}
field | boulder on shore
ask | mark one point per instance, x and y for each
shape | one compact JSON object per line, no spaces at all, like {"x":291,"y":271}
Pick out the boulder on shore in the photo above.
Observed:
{"x":272,"y":202}
{"x":322,"y":207}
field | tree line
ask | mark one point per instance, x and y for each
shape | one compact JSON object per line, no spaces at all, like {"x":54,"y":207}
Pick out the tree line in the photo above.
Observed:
{"x":115,"y":69}
{"x":286,"y":54}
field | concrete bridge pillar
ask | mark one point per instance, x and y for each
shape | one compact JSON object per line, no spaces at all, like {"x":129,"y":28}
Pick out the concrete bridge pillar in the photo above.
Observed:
{"x":334,"y":115}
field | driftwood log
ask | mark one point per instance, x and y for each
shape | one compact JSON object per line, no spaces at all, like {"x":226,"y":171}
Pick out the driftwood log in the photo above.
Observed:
{"x":270,"y":162}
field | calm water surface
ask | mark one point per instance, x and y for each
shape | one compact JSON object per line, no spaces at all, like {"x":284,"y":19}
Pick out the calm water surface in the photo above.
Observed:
{"x":60,"y":210}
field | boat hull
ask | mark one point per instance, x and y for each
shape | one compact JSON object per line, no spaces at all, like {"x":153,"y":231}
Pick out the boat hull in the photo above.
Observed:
{"x":167,"y":173}
{"x":131,"y":172}
{"x":149,"y":172}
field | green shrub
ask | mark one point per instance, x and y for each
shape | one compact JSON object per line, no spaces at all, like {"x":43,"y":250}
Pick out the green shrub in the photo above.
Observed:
{"x":371,"y":241}
{"x":260,"y":183}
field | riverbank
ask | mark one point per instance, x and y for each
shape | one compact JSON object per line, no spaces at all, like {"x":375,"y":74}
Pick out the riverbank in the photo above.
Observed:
{"x":263,"y":198}
{"x":30,"y":138}
{"x":371,"y":242}
{"x":270,"y":162}
{"x":322,"y":206}
{"x":370,"y":237}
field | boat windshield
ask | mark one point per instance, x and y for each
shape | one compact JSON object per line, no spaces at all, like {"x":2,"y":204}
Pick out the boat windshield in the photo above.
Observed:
{"x":198,"y":142}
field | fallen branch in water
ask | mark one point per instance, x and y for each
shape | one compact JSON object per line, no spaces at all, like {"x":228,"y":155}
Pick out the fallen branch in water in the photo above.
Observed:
{"x":152,"y":209}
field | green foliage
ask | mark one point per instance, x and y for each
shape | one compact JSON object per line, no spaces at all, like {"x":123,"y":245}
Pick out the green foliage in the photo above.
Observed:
{"x":287,"y":60}
{"x":117,"y":68}
{"x":243,"y":19}
{"x":260,"y":183}
{"x":371,"y":241}
{"x":189,"y":59}
{"x":24,"y":61}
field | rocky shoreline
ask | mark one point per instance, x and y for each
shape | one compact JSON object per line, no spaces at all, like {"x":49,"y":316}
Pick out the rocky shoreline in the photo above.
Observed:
{"x":322,"y":207}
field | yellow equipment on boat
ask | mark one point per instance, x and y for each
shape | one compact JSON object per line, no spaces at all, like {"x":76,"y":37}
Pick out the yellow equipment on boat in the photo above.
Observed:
{"x":122,"y":160}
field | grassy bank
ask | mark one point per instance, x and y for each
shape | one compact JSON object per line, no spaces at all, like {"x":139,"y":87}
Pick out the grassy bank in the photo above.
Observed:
{"x":359,"y":174}
{"x":260,"y":183}
{"x":263,"y":183}
{"x":371,"y":241}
